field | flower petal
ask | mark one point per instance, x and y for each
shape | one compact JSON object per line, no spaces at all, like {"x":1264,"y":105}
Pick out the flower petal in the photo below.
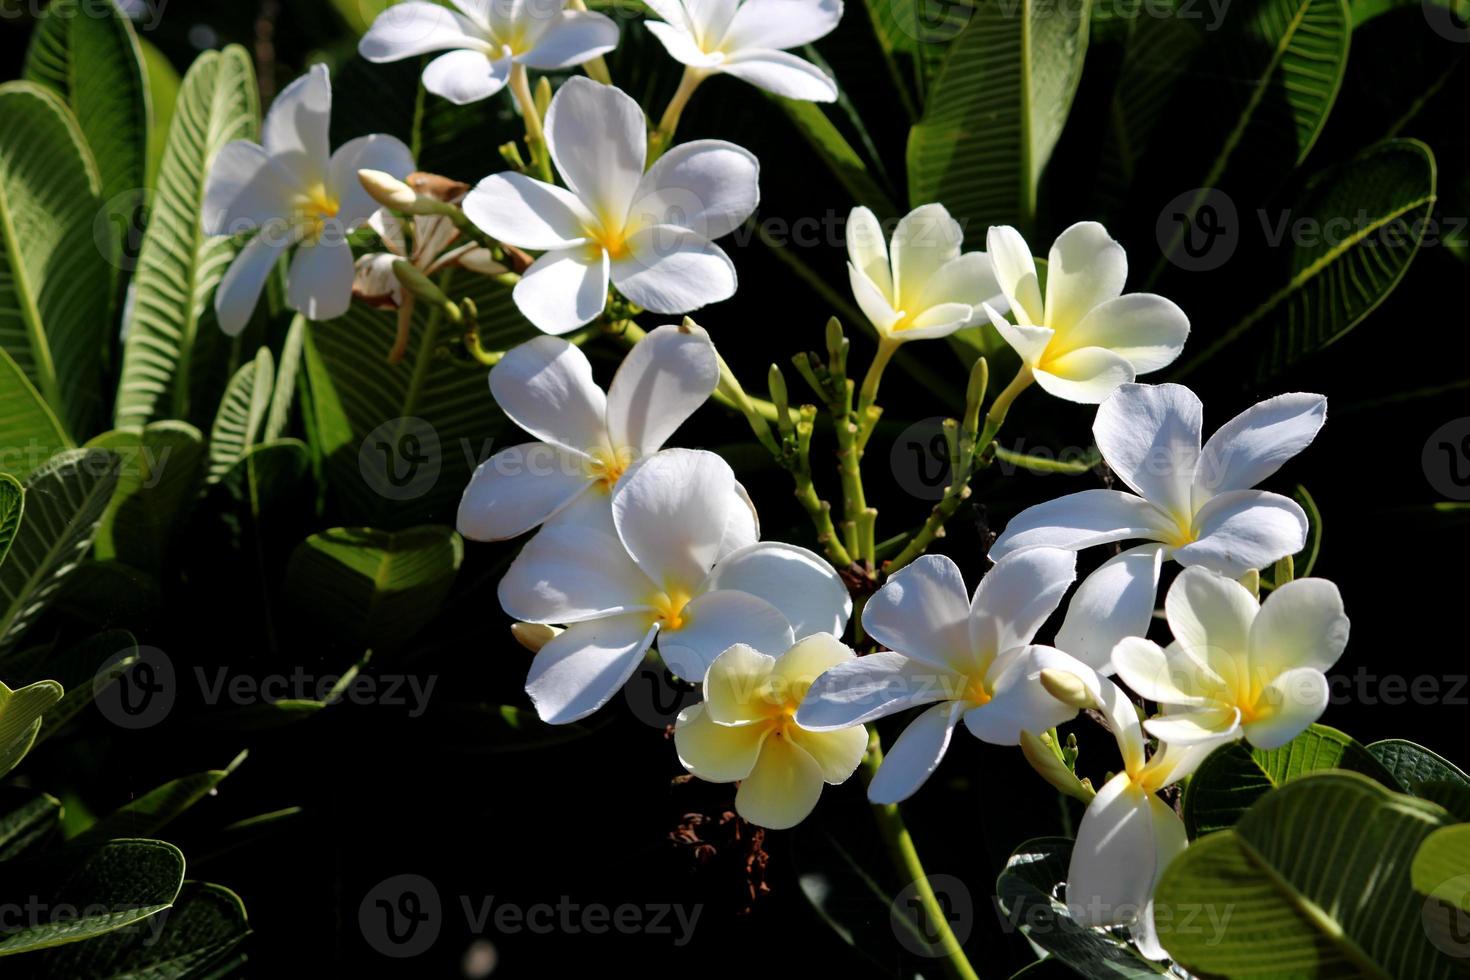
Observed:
{"x":1015,"y":271}
{"x":407,"y":30}
{"x":800,"y":583}
{"x":781,"y":74}
{"x":717,"y":753}
{"x":376,"y":152}
{"x":1153,"y":676}
{"x":1079,"y":520}
{"x":871,"y":300}
{"x":1084,"y":269}
{"x":239,"y":290}
{"x":1086,"y":376}
{"x":1245,"y":529}
{"x":584,"y":666}
{"x":598,"y":138}
{"x":1257,"y":442}
{"x":1122,"y":719}
{"x":839,"y":753}
{"x":1215,"y":723}
{"x":1149,"y":435}
{"x":1019,"y":702}
{"x":545,"y":386}
{"x":937,"y":321}
{"x":1301,"y":624}
{"x":1115,"y":601}
{"x":867,"y":250}
{"x":680,"y":44}
{"x":1148,"y":330}
{"x":1016,"y":597}
{"x":662,"y":380}
{"x":1295,"y":699}
{"x":744,"y":526}
{"x":736,"y":688}
{"x":781,"y":24}
{"x":245,"y":190}
{"x":926,"y":240}
{"x":923,"y":612}
{"x":1210,"y":616}
{"x":916,"y":754}
{"x":1114,"y":860}
{"x":527,"y":213}
{"x":574,"y":37}
{"x":466,"y":77}
{"x":295,"y":133}
{"x":1030,"y":343}
{"x":968,"y":279}
{"x":716,"y":621}
{"x":671,"y":510}
{"x":319,"y":285}
{"x":783,"y":788}
{"x":808,"y":659}
{"x":519,"y":488}
{"x":707,"y":186}
{"x":563,"y":289}
{"x":669,"y":269}
{"x":571,"y":573}
{"x":872,"y":687}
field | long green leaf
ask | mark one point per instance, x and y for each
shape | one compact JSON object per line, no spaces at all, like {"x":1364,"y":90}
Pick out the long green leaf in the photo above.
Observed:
{"x":846,"y":164}
{"x":242,"y":414}
{"x":20,"y":719}
{"x":54,"y":285}
{"x":160,"y":476}
{"x":152,"y":811}
{"x":28,"y":427}
{"x":1315,"y":878}
{"x":65,"y":500}
{"x":174,"y":352}
{"x":996,"y":111}
{"x":1425,"y":774}
{"x":12,"y":508}
{"x":27,"y":820}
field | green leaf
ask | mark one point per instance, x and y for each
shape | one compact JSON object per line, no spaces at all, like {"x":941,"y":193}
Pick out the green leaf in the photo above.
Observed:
{"x":28,"y":426}
{"x":65,"y":500}
{"x":27,"y":820}
{"x":996,"y":111}
{"x":1333,"y":281}
{"x":90,"y":891}
{"x":267,"y":475}
{"x":175,"y":357}
{"x":12,"y":507}
{"x":20,"y":719}
{"x":162,"y":470}
{"x":1235,"y":776}
{"x":156,"y":809}
{"x":163,"y":93}
{"x":283,"y":394}
{"x":1029,"y":890}
{"x":846,"y":164}
{"x":54,"y":291}
{"x":1425,"y":774}
{"x":1441,"y":871}
{"x":88,"y":54}
{"x":377,"y":588}
{"x":241,"y":415}
{"x":1316,"y":880}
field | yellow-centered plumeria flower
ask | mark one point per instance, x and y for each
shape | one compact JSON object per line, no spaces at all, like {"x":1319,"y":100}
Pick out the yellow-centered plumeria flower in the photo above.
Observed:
{"x":1237,"y":667}
{"x":746,"y":730}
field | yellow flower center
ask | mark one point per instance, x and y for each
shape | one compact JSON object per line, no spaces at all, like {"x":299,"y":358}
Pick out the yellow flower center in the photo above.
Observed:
{"x":668,"y":608}
{"x":977,"y":692}
{"x":315,"y":208}
{"x":607,"y":466}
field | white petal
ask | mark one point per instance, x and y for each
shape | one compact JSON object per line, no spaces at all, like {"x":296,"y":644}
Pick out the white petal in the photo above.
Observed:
{"x":968,"y":279}
{"x":1016,"y":597}
{"x":872,"y":687}
{"x":1146,"y":329}
{"x":1213,"y":724}
{"x":736,"y":686}
{"x":1115,"y":601}
{"x":710,"y":18}
{"x":923,"y":612}
{"x":1122,"y":719}
{"x":839,"y":753}
{"x":465,"y":77}
{"x":376,"y":152}
{"x":390,"y":228}
{"x":1030,"y":343}
{"x":1079,"y":520}
{"x":411,"y":29}
{"x":1015,"y":270}
{"x":1114,"y":859}
{"x":926,"y":240}
{"x":671,"y":510}
{"x":716,"y":621}
{"x":563,"y":289}
{"x":669,"y":269}
{"x":662,"y":380}
{"x":1149,"y":435}
{"x":568,"y":573}
{"x":937,"y":321}
{"x":245,"y":190}
{"x":319,"y":285}
{"x":519,"y":488}
{"x":1149,"y":672}
{"x":1085,"y":376}
{"x":1301,"y":624}
{"x":1019,"y":703}
{"x":1210,"y":616}
{"x":718,"y":753}
{"x":1084,"y":269}
{"x":296,"y":129}
{"x":374,"y":280}
{"x":681,"y":46}
{"x":583,"y":667}
{"x":809,"y":658}
{"x":867,"y":250}
{"x":239,"y":290}
{"x":1257,"y":442}
{"x":744,"y":526}
{"x":1245,"y":529}
{"x":783,"y":788}
{"x":599,"y":140}
{"x":916,"y":754}
{"x":545,"y":386}
{"x":871,"y":300}
{"x":527,"y":213}
{"x":671,"y":11}
{"x":1296,"y":699}
{"x":781,"y":74}
{"x":800,"y":583}
{"x":575,"y":37}
{"x":781,"y":24}
{"x":707,"y":186}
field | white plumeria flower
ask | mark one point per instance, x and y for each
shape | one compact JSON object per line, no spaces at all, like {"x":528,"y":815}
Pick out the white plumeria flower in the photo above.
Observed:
{"x":485,"y":39}
{"x":1193,"y":505}
{"x":923,"y":287}
{"x":1128,"y":835}
{"x":746,"y":730}
{"x":290,"y":190}
{"x":1238,"y":667}
{"x":677,"y":559}
{"x":974,"y":656}
{"x":1087,"y":337}
{"x":588,"y":439}
{"x":748,"y":38}
{"x":650,"y":234}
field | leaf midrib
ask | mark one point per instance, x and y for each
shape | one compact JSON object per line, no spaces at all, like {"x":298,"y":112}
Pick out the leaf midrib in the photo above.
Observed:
{"x":30,"y":312}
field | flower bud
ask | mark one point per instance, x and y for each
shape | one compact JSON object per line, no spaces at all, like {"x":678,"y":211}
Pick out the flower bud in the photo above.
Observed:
{"x":387,"y":190}
{"x":1067,"y":688}
{"x":533,"y":636}
{"x":1038,"y":752}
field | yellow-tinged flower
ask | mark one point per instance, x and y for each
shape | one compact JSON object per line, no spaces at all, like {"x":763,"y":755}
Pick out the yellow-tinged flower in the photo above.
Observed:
{"x":746,"y":730}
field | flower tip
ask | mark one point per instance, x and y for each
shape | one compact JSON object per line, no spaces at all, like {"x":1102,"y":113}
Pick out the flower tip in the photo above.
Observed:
{"x":1067,"y":688}
{"x":387,"y":190}
{"x":533,"y":636}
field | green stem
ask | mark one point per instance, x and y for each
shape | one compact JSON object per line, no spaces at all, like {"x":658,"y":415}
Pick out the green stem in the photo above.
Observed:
{"x":906,"y":861}
{"x":664,"y":135}
{"x":868,"y":395}
{"x":520,"y":87}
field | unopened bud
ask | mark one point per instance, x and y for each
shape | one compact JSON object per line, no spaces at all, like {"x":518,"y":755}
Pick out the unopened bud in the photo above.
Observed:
{"x":1052,"y":769}
{"x":533,"y":636}
{"x":1067,"y":688}
{"x":387,"y":190}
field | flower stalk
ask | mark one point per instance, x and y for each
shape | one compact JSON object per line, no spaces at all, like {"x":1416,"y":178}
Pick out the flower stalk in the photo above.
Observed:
{"x":663,"y":136}
{"x":520,"y":87}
